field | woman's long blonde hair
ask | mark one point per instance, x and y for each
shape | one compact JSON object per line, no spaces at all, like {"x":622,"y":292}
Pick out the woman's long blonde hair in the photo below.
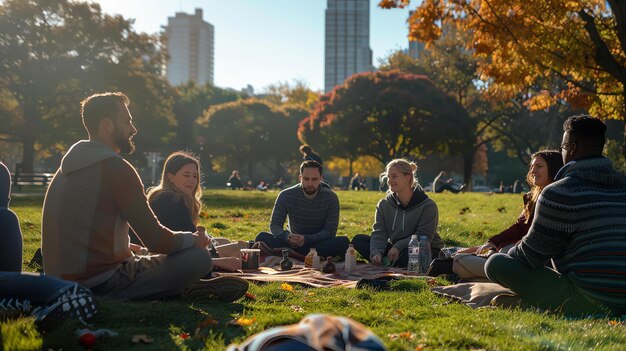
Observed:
{"x":172,"y":165}
{"x":554,"y":162}
{"x":405,"y":166}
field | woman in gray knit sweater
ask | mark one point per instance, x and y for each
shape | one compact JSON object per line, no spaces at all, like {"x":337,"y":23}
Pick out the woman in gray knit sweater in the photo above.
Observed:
{"x":406,"y":210}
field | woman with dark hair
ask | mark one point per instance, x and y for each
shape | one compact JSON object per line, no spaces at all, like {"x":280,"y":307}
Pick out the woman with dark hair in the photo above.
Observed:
{"x":543,"y":167}
{"x":308,"y":154}
{"x":541,"y":172}
{"x":176,"y":202}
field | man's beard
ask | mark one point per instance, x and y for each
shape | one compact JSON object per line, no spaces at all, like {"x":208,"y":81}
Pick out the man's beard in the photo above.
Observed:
{"x":308,"y":192}
{"x":125,"y":143}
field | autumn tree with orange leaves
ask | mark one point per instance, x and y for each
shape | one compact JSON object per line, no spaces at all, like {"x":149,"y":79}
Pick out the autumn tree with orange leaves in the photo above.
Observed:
{"x":386,"y":115}
{"x":519,"y":42}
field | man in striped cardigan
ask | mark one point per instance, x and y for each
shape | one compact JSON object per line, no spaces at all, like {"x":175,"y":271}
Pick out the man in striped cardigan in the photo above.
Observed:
{"x":579,"y":223}
{"x":312,"y":208}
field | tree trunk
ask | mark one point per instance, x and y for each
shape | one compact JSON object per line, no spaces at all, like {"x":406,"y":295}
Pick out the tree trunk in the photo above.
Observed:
{"x":351,"y":169}
{"x":468,"y":168}
{"x":624,"y":119}
{"x":28,"y":147}
{"x":250,"y":172}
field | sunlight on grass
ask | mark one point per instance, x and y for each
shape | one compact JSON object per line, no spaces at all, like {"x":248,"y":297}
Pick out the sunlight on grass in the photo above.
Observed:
{"x":404,"y":318}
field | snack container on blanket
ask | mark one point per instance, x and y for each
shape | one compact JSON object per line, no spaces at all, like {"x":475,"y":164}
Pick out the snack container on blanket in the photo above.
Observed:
{"x":250,"y":259}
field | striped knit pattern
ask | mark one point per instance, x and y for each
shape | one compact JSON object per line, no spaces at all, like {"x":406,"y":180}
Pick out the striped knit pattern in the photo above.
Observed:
{"x":317,"y":219}
{"x":86,"y":216}
{"x":580,"y":221}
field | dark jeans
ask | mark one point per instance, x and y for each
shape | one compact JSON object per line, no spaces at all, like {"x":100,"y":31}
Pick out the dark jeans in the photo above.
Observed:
{"x":361,"y":243}
{"x":542,"y":287}
{"x":39,"y":289}
{"x":449,"y":187}
{"x":336,"y":246}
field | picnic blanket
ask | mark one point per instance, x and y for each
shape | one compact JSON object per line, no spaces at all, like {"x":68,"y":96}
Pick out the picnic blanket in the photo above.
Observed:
{"x":472,"y":294}
{"x":270,"y":272}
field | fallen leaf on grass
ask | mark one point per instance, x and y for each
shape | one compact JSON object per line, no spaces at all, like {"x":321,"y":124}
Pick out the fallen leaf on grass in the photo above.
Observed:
{"x":286,"y":287}
{"x":142,"y":338}
{"x":399,"y":312}
{"x":403,"y":335}
{"x":297,"y":308}
{"x":242,"y":322}
{"x":431,"y":282}
{"x":419,"y":347}
{"x":250,"y":296}
{"x":209,"y":322}
{"x":614,"y":323}
{"x":184,"y":336}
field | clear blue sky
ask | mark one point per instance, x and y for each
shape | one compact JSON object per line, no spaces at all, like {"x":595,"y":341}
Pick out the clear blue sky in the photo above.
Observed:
{"x":260,"y":42}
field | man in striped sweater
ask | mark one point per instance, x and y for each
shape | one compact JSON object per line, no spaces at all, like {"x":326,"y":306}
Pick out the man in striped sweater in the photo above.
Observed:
{"x":93,"y":199}
{"x":313,"y":211}
{"x":579,"y":223}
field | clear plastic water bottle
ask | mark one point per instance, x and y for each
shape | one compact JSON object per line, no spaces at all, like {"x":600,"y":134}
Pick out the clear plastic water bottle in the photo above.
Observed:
{"x":425,"y":257}
{"x":414,"y":254}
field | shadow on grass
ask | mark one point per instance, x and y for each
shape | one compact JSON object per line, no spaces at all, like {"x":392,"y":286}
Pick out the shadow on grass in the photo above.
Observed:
{"x":412,"y":285}
{"x":168,"y":323}
{"x":222,"y":201}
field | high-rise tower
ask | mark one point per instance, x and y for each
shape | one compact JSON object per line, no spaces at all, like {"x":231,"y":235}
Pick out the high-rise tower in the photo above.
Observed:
{"x":190,"y":43}
{"x":347,"y":40}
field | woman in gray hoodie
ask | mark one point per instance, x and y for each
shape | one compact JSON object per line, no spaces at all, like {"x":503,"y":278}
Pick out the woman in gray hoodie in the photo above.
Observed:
{"x":406,"y":210}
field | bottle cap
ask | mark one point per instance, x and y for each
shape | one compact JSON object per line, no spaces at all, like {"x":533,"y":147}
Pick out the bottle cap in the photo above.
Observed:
{"x":414,"y":236}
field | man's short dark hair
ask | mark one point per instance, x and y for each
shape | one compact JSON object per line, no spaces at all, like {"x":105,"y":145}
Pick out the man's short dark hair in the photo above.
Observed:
{"x":311,"y":164}
{"x":586,"y":130}
{"x":98,"y":106}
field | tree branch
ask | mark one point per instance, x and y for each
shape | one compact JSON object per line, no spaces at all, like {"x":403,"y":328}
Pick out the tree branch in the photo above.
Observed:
{"x":603,"y":54}
{"x":619,"y":11}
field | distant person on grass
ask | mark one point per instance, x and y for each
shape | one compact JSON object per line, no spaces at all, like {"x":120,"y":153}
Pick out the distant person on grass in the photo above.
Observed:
{"x":439,"y":186}
{"x":234,"y":181}
{"x":90,"y":203}
{"x":309,"y":155}
{"x":580,"y":224}
{"x":406,"y":210}
{"x":312,"y":210}
{"x":177,"y":203}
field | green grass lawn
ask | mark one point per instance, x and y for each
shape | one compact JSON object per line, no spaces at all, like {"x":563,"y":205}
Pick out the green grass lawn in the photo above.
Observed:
{"x":411,"y":310}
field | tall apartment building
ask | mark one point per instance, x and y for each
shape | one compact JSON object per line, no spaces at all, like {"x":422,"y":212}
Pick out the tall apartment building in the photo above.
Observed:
{"x":190,"y":45}
{"x":415,"y":47}
{"x":347,"y":49}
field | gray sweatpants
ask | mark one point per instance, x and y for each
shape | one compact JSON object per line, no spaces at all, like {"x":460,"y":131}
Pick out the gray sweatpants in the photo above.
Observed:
{"x":156,"y":276}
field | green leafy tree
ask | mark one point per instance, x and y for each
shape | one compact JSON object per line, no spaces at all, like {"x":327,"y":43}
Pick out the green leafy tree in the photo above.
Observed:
{"x":54,"y":53}
{"x":242,"y":134}
{"x":297,"y":94}
{"x":190,"y":103}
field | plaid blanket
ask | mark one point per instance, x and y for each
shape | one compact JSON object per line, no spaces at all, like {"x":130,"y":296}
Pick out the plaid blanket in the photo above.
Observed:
{"x":270,"y":272}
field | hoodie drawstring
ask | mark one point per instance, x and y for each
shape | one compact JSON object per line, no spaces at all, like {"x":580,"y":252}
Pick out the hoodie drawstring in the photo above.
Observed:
{"x":393,"y":226}
{"x":403,"y":215}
